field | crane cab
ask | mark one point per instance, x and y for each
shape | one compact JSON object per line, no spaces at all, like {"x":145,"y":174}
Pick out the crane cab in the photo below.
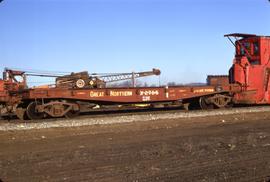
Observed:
{"x":251,"y":68}
{"x":14,"y":80}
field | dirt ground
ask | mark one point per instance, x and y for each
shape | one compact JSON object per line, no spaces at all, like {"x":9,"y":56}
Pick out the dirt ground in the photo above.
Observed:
{"x":219,"y":148}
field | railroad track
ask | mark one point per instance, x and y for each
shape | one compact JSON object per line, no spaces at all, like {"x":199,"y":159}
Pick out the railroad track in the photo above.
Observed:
{"x":123,"y":117}
{"x":99,"y":114}
{"x":126,"y":112}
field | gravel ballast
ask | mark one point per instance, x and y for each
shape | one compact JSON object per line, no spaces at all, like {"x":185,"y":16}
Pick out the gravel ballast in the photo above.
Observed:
{"x":125,"y":118}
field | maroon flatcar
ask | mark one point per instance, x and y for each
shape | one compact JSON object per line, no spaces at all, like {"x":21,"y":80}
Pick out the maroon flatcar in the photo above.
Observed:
{"x":247,"y":83}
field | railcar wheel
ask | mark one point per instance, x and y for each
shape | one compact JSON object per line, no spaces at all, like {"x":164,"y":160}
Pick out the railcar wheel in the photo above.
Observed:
{"x":72,"y":114}
{"x":32,"y":112}
{"x":229,"y":105}
{"x":204,"y":104}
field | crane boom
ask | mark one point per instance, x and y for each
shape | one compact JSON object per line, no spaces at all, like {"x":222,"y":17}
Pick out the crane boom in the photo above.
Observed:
{"x":127,"y":76}
{"x":83,"y":79}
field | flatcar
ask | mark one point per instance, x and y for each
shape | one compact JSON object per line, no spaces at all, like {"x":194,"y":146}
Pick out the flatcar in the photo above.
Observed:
{"x":247,"y":83}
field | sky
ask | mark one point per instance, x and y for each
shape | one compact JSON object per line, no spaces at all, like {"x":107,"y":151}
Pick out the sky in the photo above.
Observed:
{"x":183,"y":38}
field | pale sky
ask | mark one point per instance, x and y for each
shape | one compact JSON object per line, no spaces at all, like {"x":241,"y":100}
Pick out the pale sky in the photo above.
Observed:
{"x":183,"y":38}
